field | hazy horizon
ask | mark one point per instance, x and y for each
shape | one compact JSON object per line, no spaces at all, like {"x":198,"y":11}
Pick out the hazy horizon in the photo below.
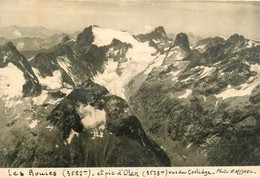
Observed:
{"x":200,"y":18}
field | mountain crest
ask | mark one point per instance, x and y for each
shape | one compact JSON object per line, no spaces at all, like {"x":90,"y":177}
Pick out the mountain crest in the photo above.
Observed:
{"x":86,"y":37}
{"x":12,"y":61}
{"x":9,"y":46}
{"x":182,"y":41}
{"x":159,"y":30}
{"x":236,"y":38}
{"x":65,"y":39}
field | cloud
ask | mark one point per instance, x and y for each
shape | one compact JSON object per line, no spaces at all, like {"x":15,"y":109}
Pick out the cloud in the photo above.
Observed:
{"x":201,"y":18}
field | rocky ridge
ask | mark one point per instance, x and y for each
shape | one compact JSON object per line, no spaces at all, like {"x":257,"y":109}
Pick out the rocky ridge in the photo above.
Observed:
{"x":71,"y":120}
{"x":202,"y":100}
{"x":200,"y":103}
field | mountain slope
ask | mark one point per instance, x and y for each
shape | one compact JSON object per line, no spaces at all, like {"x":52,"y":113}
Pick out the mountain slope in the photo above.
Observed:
{"x":88,"y":127}
{"x":71,"y":121}
{"x":200,"y":104}
{"x":203,"y":100}
{"x":13,"y":65}
{"x":110,"y":57}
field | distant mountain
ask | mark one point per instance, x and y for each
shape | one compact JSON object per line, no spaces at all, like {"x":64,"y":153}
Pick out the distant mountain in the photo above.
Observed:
{"x":31,"y":40}
{"x":29,"y":46}
{"x":157,"y":39}
{"x":14,"y":31}
{"x":2,"y":41}
{"x":193,"y":39}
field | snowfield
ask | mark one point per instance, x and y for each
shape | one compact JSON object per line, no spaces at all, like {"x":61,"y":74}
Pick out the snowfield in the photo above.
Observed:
{"x":12,"y":81}
{"x":139,"y":58}
{"x":39,"y":100}
{"x":246,"y":88}
{"x":186,"y":94}
{"x":91,"y":116}
{"x":51,"y":82}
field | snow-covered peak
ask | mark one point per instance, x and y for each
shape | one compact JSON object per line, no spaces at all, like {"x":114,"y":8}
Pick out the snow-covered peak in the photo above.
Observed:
{"x":104,"y":37}
{"x":139,"y":57}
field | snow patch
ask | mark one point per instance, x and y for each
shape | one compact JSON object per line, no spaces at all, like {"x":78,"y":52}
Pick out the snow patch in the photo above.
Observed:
{"x":39,"y":100}
{"x":51,"y":82}
{"x":5,"y":57}
{"x":207,"y":71}
{"x":187,"y":79}
{"x":163,"y":148}
{"x":91,"y":116}
{"x":156,"y":62}
{"x":252,"y":43}
{"x":98,"y":132}
{"x":187,"y":93}
{"x":97,"y":135}
{"x":189,"y":145}
{"x":12,"y":102}
{"x":12,"y":81}
{"x":72,"y":133}
{"x":179,"y":67}
{"x":33,"y":124}
{"x":175,"y":73}
{"x":53,"y":101}
{"x":50,"y":127}
{"x":201,"y":48}
{"x":17,"y":115}
{"x":64,"y":63}
{"x":246,"y":89}
{"x":66,"y":90}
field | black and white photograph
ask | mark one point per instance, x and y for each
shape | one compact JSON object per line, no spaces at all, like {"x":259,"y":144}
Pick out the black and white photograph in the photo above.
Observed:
{"x":139,"y":83}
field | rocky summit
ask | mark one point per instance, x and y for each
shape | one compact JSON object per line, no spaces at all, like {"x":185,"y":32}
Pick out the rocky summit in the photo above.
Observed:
{"x":112,"y":99}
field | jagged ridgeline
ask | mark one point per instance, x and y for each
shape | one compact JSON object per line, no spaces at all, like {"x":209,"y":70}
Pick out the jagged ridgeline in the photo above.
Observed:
{"x":109,"y":98}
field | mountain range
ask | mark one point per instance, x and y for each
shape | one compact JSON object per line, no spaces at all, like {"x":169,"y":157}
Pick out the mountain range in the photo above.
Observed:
{"x":31,"y":40}
{"x":109,"y":98}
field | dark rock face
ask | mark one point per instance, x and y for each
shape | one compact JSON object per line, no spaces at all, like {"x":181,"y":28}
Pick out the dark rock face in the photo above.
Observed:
{"x":157,"y":33}
{"x":86,"y":37}
{"x":182,"y":41}
{"x":210,"y":42}
{"x":62,"y":138}
{"x":255,"y":96}
{"x":117,"y":50}
{"x":9,"y":54}
{"x":65,"y":39}
{"x":236,"y":39}
{"x":157,"y":39}
{"x":44,"y":63}
{"x":77,"y":61}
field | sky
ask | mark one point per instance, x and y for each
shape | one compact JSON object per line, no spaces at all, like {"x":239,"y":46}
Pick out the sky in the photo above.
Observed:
{"x":139,"y":16}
